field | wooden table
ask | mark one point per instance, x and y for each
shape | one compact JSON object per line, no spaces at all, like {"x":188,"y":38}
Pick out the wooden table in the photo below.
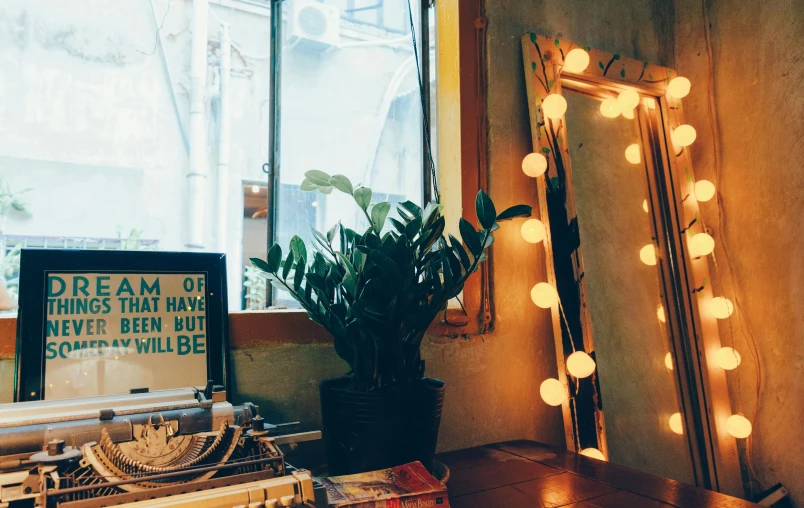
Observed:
{"x":527,"y":474}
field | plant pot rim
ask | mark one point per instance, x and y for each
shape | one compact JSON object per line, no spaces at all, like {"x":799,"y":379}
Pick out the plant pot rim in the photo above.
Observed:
{"x":335,"y":383}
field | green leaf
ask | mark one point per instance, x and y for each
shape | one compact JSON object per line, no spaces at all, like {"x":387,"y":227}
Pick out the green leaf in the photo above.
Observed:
{"x":413,"y":227}
{"x":315,"y":280}
{"x":274,"y":258}
{"x":469,"y":236}
{"x":616,"y":57}
{"x":622,"y":72}
{"x":288,"y":265}
{"x":341,"y":183}
{"x":326,"y":190}
{"x":260,"y":264}
{"x":398,"y":225}
{"x":515,"y":211}
{"x":318,"y":177}
{"x":298,"y":248}
{"x":545,"y":150}
{"x":308,"y":186}
{"x":557,"y":43}
{"x":533,"y":37}
{"x":600,"y":64}
{"x":533,"y":66}
{"x":378,"y":214}
{"x":298,"y":276}
{"x":484,"y":207}
{"x":458,"y":248}
{"x":411,"y":207}
{"x":363,"y":197}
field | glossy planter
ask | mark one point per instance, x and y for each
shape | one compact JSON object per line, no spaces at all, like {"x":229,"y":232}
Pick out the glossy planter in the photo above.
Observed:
{"x":370,"y":431}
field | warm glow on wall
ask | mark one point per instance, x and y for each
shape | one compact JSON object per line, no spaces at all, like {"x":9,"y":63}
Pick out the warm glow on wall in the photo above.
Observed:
{"x":633,"y":154}
{"x":738,"y":426}
{"x":720,"y":307}
{"x":628,"y":100}
{"x":676,"y":425}
{"x":648,"y":255}
{"x":534,"y":165}
{"x":728,"y":358}
{"x":684,"y":135}
{"x":704,"y":190}
{"x":668,"y":361}
{"x":679,"y":87}
{"x":533,"y":231}
{"x":577,"y":60}
{"x":544,"y":295}
{"x":580,"y":364}
{"x":701,"y":245}
{"x":593,"y":453}
{"x":553,"y":392}
{"x":610,"y":108}
{"x":554,"y":106}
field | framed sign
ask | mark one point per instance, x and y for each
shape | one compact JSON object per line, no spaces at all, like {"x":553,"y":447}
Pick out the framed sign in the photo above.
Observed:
{"x":95,"y":322}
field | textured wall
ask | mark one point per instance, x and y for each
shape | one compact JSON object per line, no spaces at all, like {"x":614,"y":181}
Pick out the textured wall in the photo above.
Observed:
{"x":758,"y":70}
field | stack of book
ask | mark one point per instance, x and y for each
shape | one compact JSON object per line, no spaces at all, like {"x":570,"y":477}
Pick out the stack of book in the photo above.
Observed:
{"x":408,"y":486}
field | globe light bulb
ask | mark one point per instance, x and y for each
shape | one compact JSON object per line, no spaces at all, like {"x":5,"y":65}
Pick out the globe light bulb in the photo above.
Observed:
{"x":255,"y":189}
{"x":728,"y":358}
{"x":544,"y":295}
{"x":533,"y":231}
{"x":628,"y":114}
{"x":534,"y":165}
{"x":668,"y":361}
{"x":701,"y":245}
{"x":633,"y":154}
{"x":648,"y":255}
{"x":720,"y":307}
{"x":683,"y":135}
{"x":628,"y":100}
{"x":676,"y":425}
{"x":577,"y":60}
{"x":554,"y":106}
{"x":593,"y":453}
{"x":738,"y":426}
{"x":610,"y":108}
{"x":660,"y":313}
{"x":645,"y":206}
{"x":704,"y":190}
{"x":553,"y":392}
{"x":679,"y":87}
{"x":580,"y":364}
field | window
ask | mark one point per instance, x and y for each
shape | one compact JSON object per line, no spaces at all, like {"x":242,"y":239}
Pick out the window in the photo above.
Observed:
{"x":100,"y":147}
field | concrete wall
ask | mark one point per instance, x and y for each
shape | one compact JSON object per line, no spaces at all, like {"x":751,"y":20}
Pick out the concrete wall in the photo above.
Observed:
{"x":757,"y":63}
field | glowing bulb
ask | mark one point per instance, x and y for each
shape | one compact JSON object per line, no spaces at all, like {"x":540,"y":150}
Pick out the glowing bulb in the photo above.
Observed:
{"x":553,"y":392}
{"x":314,"y":203}
{"x":704,"y":190}
{"x":610,"y":108}
{"x":668,"y":361}
{"x":633,"y":154}
{"x":628,"y":100}
{"x":720,"y":307}
{"x":738,"y":426}
{"x":683,"y":135}
{"x":255,"y":189}
{"x":675,"y":423}
{"x":660,"y":313}
{"x":728,"y":358}
{"x":580,"y":364}
{"x":593,"y":453}
{"x":701,"y":244}
{"x":648,"y":255}
{"x":628,"y":114}
{"x":554,"y":106}
{"x":576,"y":61}
{"x":544,"y":295}
{"x":645,"y":206}
{"x":534,"y":165}
{"x":533,"y":231}
{"x":679,"y":87}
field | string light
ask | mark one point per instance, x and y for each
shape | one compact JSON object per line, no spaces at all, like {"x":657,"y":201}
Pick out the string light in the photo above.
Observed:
{"x":544,"y":295}
{"x":576,"y":61}
{"x":701,"y":245}
{"x":628,"y":114}
{"x":684,"y":135}
{"x":645,"y":206}
{"x":704,"y":190}
{"x":533,"y":231}
{"x":633,"y":154}
{"x":720,"y":307}
{"x":534,"y":165}
{"x":580,"y":364}
{"x":628,"y":100}
{"x":728,"y":358}
{"x":255,"y":189}
{"x":679,"y":87}
{"x":553,"y":392}
{"x":676,"y":425}
{"x":554,"y":106}
{"x":610,"y":108}
{"x":668,"y":361}
{"x":593,"y":453}
{"x":660,"y":313}
{"x":738,"y":426}
{"x":648,"y":255}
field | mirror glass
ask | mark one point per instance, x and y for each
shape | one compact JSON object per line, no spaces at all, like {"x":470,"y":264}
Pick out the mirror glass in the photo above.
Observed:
{"x":639,"y":393}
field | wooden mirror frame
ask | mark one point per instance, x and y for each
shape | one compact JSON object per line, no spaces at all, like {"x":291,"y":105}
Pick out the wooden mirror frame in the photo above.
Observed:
{"x":684,"y":279}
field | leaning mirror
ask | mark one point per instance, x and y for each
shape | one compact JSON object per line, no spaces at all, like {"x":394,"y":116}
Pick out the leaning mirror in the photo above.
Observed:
{"x":626,"y":257}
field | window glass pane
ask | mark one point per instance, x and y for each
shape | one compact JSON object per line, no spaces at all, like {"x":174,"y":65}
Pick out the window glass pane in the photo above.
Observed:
{"x":351,"y":106}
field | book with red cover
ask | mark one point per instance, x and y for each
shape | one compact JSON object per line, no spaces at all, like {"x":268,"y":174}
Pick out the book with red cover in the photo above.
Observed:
{"x":407,"y":486}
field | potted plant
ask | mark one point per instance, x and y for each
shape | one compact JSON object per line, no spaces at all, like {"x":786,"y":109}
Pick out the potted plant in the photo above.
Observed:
{"x":377,"y":292}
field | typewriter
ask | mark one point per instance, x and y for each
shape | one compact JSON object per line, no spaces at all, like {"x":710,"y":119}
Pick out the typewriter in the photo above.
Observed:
{"x":177,"y":447}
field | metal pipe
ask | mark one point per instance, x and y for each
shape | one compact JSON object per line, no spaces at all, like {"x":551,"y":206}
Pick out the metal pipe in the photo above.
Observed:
{"x":197,"y":175}
{"x":223,"y":139}
{"x":274,"y":121}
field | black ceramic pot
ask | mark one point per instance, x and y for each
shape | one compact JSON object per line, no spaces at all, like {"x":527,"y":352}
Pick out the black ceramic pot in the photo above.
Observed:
{"x":370,"y":431}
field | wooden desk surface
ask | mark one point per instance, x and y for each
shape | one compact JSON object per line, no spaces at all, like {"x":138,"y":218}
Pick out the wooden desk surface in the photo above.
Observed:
{"x":527,"y":474}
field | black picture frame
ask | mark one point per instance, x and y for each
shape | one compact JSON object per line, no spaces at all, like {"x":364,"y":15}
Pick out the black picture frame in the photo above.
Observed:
{"x":36,"y":264}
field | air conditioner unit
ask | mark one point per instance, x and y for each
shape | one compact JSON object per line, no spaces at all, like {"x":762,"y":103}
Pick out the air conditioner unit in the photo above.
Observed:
{"x":313,"y":24}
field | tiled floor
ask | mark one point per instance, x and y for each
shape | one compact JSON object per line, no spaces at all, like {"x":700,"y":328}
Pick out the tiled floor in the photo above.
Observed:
{"x":525,"y":474}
